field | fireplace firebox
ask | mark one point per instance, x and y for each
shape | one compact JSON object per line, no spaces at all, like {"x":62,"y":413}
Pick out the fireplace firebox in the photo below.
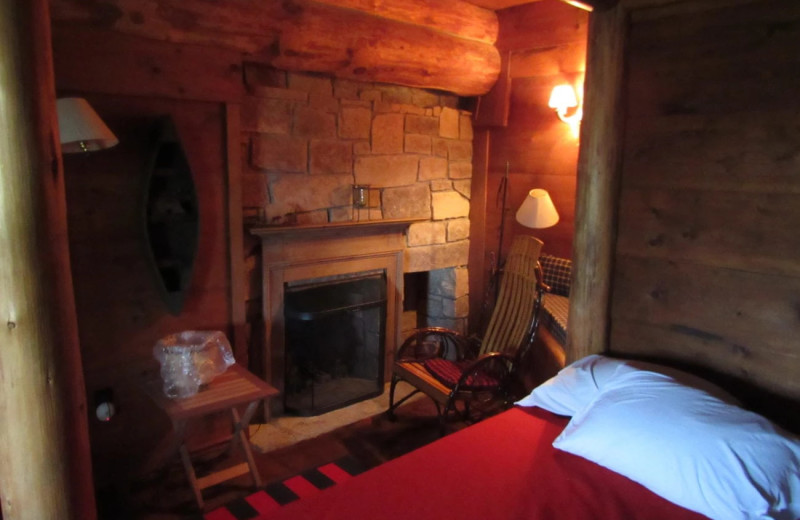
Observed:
{"x":335,"y":332}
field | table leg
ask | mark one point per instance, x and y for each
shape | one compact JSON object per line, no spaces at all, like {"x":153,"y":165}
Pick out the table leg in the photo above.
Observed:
{"x":165,"y":449}
{"x":240,"y":425}
{"x":190,"y":474}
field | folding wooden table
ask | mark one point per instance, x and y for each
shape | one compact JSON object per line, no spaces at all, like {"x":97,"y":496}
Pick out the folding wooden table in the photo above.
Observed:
{"x":235,"y":387}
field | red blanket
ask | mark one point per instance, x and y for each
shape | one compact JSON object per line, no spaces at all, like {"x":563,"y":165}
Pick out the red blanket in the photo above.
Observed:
{"x":502,"y":468}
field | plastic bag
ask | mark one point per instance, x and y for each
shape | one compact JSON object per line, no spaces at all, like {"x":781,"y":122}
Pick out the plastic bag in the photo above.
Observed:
{"x":192,"y":358}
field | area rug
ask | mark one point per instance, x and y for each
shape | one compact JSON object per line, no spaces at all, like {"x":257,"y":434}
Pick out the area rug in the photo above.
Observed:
{"x":276,"y":495}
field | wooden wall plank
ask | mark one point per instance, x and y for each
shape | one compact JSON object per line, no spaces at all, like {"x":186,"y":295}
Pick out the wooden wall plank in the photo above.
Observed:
{"x":707,"y":245}
{"x":541,"y":24}
{"x":777,"y":374}
{"x":569,"y":59}
{"x":753,"y":152}
{"x":726,"y":229}
{"x":711,"y":302}
{"x":88,"y":60}
{"x":120,"y":312}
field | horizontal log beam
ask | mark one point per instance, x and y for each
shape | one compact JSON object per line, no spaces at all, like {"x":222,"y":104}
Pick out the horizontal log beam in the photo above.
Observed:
{"x":454,"y":17}
{"x":375,"y":49}
{"x":387,"y":43}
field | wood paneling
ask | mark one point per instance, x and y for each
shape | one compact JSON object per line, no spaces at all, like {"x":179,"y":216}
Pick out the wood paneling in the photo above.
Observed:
{"x":545,"y":43}
{"x":706,"y":263}
{"x":727,"y":229}
{"x":89,"y":60}
{"x":120,"y":312}
{"x":541,"y":24}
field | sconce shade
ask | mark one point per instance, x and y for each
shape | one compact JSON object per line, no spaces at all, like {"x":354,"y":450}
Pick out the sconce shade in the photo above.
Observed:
{"x":537,"y":210}
{"x":563,"y":97}
{"x":80,"y":128}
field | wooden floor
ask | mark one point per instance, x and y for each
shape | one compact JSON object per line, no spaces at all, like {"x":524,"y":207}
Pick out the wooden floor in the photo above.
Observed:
{"x":167,"y":496}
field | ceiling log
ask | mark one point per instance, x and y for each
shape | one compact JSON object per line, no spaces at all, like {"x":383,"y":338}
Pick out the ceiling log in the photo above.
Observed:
{"x":455,"y":17}
{"x":386,"y":43}
{"x":377,"y":49}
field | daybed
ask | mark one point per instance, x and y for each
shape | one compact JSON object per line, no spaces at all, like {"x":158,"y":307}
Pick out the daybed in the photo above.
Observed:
{"x":548,"y":353}
{"x":668,"y":431}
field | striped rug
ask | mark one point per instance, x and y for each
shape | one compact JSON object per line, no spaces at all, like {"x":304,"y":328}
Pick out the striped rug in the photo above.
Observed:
{"x":276,"y":495}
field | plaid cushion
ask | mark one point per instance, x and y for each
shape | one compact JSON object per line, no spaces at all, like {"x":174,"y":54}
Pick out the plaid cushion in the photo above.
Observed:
{"x":557,"y":273}
{"x":449,"y":372}
{"x":554,"y":316}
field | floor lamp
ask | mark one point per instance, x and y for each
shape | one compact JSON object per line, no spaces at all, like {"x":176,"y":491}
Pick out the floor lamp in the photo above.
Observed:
{"x":537,"y":210}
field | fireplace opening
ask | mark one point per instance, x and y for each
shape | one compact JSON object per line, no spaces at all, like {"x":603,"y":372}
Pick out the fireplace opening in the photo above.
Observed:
{"x":335,"y":332}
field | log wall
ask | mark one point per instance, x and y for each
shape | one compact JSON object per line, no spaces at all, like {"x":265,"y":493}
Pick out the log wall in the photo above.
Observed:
{"x":422,"y":43}
{"x":542,"y":44}
{"x":706,"y":266}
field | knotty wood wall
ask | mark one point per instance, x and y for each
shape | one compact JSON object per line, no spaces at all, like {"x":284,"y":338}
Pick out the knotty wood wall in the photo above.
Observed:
{"x":707,"y":266}
{"x":542,"y":44}
{"x":131,"y":82}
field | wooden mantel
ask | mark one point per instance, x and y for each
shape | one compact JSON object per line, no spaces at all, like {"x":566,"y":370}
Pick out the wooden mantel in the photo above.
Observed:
{"x":359,"y":227}
{"x":296,"y":253}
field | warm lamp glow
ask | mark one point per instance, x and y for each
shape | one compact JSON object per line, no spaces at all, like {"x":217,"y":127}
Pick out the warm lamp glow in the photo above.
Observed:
{"x":562,"y":99}
{"x":80,"y":128}
{"x":579,"y":4}
{"x":537,"y":210}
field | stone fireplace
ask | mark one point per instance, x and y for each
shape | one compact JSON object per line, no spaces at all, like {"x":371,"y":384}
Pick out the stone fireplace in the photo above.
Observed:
{"x":308,"y":140}
{"x":302,"y":256}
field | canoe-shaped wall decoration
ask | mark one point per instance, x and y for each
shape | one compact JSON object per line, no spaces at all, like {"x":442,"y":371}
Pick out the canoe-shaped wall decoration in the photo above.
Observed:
{"x":171,"y":215}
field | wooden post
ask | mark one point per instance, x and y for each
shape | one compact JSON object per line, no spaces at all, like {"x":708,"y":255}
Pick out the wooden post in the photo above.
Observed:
{"x":233,"y":146}
{"x":477,"y":218}
{"x":45,"y":467}
{"x":599,"y":163}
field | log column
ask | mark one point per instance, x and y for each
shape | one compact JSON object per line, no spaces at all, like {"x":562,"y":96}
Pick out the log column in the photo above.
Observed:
{"x":599,"y":164}
{"x":45,"y":467}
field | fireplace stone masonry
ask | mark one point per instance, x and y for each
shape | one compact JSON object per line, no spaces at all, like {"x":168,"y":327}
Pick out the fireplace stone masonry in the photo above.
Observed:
{"x":308,"y":139}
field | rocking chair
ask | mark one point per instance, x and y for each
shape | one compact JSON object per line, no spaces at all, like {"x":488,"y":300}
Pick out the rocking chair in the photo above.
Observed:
{"x":481,"y":374}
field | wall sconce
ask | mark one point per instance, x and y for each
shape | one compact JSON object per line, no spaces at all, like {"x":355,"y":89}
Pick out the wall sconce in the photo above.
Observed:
{"x":580,"y":4}
{"x":80,"y":128}
{"x":562,"y":99}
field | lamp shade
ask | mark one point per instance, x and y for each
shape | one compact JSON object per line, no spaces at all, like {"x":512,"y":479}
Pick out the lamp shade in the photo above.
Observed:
{"x":563,"y":97}
{"x":80,"y":128}
{"x":537,"y":210}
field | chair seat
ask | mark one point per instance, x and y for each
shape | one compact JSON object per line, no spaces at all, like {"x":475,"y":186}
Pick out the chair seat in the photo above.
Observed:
{"x":449,"y":372}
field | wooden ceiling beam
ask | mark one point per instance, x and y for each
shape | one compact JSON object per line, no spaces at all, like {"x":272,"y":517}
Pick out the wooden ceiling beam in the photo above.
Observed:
{"x":445,"y":46}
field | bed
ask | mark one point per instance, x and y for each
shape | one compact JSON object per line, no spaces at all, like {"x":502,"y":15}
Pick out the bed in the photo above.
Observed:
{"x":507,"y":467}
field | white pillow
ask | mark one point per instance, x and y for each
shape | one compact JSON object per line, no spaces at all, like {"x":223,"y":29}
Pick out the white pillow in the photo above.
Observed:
{"x":690,"y":447}
{"x":574,"y":387}
{"x":578,"y":384}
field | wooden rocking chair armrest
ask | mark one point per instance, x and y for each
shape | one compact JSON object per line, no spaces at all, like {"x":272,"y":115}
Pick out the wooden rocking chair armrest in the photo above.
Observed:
{"x":422,"y":344}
